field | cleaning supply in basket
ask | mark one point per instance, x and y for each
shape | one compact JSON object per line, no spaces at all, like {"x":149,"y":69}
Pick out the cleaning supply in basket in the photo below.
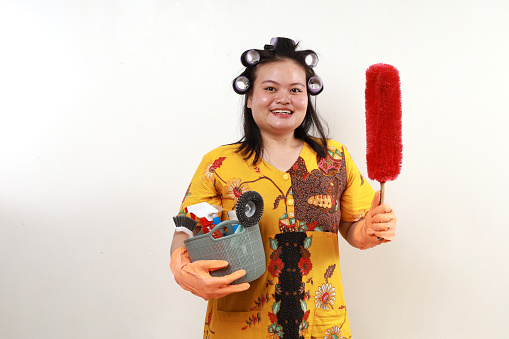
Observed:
{"x":233,"y":216}
{"x":184,"y":224}
{"x":208,"y":216}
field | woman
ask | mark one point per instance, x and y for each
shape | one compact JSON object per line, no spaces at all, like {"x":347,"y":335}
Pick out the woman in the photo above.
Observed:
{"x":312,"y":190}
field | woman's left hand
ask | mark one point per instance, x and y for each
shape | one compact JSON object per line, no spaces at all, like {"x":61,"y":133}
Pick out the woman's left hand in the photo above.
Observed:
{"x":381,"y":220}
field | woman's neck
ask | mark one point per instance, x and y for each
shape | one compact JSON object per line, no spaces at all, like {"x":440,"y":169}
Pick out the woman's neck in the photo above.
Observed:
{"x":280,"y":141}
{"x":281,"y":151}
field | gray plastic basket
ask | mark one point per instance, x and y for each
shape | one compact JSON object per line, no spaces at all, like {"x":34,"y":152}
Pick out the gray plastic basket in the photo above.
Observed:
{"x":243,"y":250}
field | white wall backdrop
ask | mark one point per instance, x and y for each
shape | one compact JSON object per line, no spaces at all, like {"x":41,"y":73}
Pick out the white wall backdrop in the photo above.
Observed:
{"x":106,"y":108}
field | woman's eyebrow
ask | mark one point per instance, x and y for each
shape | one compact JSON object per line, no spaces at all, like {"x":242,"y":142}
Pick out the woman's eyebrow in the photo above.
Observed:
{"x":277,"y":83}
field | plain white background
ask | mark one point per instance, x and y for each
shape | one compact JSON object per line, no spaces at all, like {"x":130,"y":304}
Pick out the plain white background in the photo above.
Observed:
{"x":107,"y":107}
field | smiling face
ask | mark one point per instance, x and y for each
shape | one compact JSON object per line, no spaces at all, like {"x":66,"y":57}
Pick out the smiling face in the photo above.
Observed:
{"x":279,"y":99}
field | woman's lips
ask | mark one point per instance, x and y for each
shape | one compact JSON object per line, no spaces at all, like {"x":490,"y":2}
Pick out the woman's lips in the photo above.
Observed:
{"x":282,"y":111}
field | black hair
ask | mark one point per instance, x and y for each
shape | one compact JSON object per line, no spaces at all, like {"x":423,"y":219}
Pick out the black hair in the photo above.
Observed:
{"x":251,"y":144}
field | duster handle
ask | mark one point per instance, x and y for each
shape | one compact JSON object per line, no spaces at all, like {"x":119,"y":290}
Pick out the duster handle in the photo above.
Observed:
{"x":382,"y":192}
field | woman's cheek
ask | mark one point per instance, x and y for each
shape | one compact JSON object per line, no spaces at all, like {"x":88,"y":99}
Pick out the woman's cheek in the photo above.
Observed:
{"x":304,"y":102}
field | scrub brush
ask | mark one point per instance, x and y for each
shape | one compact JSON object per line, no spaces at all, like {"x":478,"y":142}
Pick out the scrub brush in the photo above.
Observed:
{"x":184,"y":224}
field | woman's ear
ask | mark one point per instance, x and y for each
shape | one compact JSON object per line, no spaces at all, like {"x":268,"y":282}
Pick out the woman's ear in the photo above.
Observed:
{"x":249,"y":100}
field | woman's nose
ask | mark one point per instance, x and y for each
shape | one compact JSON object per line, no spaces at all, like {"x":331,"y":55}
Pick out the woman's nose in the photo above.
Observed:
{"x":283,"y":98}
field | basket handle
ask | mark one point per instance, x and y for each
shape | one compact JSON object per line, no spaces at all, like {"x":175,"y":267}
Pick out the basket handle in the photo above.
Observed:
{"x":218,"y":226}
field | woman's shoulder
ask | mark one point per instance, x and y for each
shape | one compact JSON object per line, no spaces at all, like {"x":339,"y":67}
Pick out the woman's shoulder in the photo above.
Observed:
{"x":223,"y":151}
{"x":330,"y":142}
{"x":335,"y":144}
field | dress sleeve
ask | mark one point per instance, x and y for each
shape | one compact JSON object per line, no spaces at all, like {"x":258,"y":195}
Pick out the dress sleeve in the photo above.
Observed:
{"x":202,"y":187}
{"x":357,"y":197}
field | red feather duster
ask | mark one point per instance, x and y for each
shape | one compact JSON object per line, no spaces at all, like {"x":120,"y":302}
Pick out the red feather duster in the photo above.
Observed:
{"x":383,"y":123}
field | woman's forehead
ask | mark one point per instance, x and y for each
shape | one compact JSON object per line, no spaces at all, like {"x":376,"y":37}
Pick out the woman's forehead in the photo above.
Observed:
{"x":278,"y":71}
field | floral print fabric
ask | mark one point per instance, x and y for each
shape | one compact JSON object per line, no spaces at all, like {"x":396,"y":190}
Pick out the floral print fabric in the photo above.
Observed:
{"x":300,"y":294}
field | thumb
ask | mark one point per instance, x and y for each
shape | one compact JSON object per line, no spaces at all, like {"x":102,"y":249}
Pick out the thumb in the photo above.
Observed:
{"x":376,"y":200}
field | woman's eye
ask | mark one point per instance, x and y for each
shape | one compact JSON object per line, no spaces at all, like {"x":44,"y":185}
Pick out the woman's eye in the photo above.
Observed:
{"x":295,"y":90}
{"x":270,"y":89}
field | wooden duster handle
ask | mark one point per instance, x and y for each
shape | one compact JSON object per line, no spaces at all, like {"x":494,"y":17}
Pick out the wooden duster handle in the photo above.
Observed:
{"x":382,"y":192}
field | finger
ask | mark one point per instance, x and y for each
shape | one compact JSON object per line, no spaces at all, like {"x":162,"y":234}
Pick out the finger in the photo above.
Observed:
{"x":231,"y":289}
{"x":218,"y":282}
{"x":382,"y":218}
{"x":382,"y":209}
{"x":381,"y":227}
{"x":387,"y":235}
{"x":384,"y":230}
{"x":212,"y":265}
{"x":233,"y":276}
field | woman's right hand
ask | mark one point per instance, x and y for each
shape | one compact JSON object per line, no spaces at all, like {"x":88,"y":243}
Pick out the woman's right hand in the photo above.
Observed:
{"x":195,"y":276}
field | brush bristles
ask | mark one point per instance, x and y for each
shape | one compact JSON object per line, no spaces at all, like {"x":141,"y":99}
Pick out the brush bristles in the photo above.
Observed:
{"x":383,"y":122}
{"x":184,"y":221}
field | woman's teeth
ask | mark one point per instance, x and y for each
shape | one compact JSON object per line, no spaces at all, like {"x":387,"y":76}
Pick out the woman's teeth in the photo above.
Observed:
{"x":281,"y":112}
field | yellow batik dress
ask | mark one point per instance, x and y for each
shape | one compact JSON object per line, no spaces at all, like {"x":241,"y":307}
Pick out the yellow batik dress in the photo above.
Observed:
{"x":300,"y":295}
